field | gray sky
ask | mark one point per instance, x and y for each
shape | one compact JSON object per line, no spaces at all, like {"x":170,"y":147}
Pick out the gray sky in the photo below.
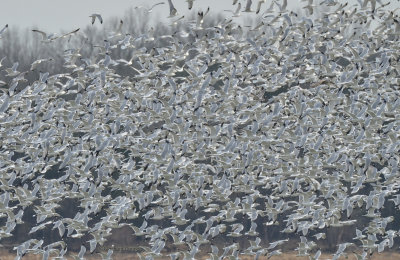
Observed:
{"x":56,"y":15}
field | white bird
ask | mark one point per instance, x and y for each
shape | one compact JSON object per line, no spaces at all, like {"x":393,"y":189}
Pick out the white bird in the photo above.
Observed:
{"x":82,"y":252}
{"x":172,"y":9}
{"x":200,"y":17}
{"x":237,"y":12}
{"x":98,"y":16}
{"x":45,"y":37}
{"x":190,"y":4}
{"x":149,"y":10}
{"x":36,"y":63}
{"x":248,"y":6}
{"x":260,"y":2}
{"x":51,"y":37}
{"x":282,"y":7}
{"x":316,"y":256}
{"x":310,"y":7}
{"x":12,"y":72}
{"x":373,"y":4}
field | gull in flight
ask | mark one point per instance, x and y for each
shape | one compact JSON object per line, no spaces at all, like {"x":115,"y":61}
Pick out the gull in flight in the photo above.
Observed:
{"x":259,"y":5}
{"x":237,"y":12}
{"x":200,"y":17}
{"x":190,"y":4}
{"x":118,"y":31}
{"x":373,"y":4}
{"x":172,"y":9}
{"x":310,"y":7}
{"x":51,"y":37}
{"x":248,"y":6}
{"x":2,"y":30}
{"x":12,"y":72}
{"x":98,"y":16}
{"x":282,"y":8}
{"x":149,"y":10}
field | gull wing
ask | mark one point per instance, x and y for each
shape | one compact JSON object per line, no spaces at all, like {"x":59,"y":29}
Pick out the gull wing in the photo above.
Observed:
{"x":4,"y":28}
{"x":172,"y":9}
{"x":248,"y":6}
{"x":44,"y":35}
{"x":100,"y":18}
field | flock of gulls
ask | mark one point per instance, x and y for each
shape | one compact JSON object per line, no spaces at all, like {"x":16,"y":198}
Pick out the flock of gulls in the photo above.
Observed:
{"x":217,"y":136}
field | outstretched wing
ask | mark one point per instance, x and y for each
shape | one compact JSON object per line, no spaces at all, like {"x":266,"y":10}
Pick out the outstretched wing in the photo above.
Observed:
{"x":248,"y":6}
{"x":190,"y":4}
{"x":4,"y":28}
{"x":44,"y":35}
{"x":172,"y":10}
{"x":65,"y":35}
{"x":100,"y":18}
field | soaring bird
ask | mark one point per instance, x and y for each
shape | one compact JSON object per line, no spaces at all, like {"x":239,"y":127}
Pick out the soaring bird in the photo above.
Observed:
{"x":98,"y":16}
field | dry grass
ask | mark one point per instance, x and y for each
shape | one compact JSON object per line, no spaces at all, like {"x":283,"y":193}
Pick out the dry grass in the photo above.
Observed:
{"x":6,"y":255}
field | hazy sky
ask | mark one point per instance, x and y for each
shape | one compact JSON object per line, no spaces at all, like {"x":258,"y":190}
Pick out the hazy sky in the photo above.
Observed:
{"x":56,"y":15}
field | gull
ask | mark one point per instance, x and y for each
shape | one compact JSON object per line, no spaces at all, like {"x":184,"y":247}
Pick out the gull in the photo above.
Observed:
{"x":276,"y":243}
{"x":373,"y":4}
{"x":12,"y":72}
{"x":172,"y":9}
{"x":98,"y":16}
{"x":4,"y":107}
{"x":45,"y":37}
{"x":316,"y":256}
{"x":36,"y":63}
{"x":362,"y":256}
{"x":2,"y":30}
{"x":1,"y":61}
{"x":51,"y":37}
{"x":236,"y":229}
{"x":319,"y":236}
{"x":200,"y":17}
{"x":190,"y":4}
{"x":82,"y":252}
{"x":310,"y":7}
{"x":118,"y":31}
{"x":149,"y":10}
{"x":273,"y":253}
{"x":235,"y":2}
{"x":282,"y":8}
{"x":248,"y":6}
{"x":260,"y":2}
{"x":237,"y":12}
{"x":252,"y":231}
{"x":341,"y":249}
{"x":106,"y":256}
